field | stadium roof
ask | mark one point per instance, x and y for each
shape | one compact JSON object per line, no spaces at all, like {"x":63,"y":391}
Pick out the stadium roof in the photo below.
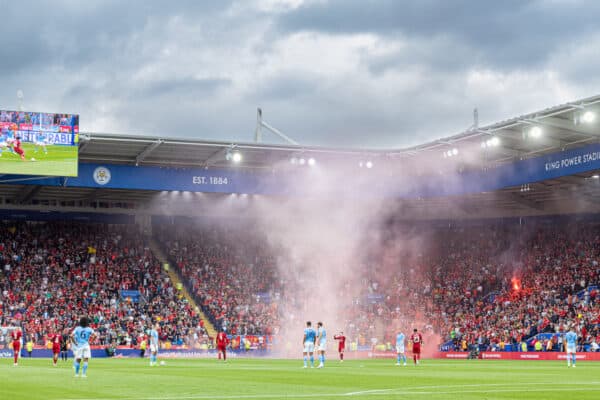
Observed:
{"x":562,"y":127}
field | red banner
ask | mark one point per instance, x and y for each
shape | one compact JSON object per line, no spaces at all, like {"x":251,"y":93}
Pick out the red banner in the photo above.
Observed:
{"x":508,"y":355}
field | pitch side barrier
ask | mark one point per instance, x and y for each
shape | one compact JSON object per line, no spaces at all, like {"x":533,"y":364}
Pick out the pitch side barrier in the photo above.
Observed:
{"x":298,"y":182}
{"x":135,"y":353}
{"x":514,"y":355}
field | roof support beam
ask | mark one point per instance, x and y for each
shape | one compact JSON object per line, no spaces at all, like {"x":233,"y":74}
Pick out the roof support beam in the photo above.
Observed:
{"x":567,"y":125}
{"x":149,"y":149}
{"x":27,"y":194}
{"x":83,"y":145}
{"x":217,"y":156}
{"x":517,"y":198}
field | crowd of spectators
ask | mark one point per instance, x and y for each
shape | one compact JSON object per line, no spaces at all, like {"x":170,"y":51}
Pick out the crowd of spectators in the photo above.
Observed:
{"x":230,"y":271}
{"x":486,"y":285}
{"x":53,"y":273}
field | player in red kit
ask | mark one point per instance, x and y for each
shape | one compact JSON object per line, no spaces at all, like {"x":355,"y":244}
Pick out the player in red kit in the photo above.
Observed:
{"x":56,"y":340}
{"x":18,"y":149}
{"x":417,"y":341}
{"x":222,"y":344}
{"x":16,"y":336}
{"x":341,"y":344}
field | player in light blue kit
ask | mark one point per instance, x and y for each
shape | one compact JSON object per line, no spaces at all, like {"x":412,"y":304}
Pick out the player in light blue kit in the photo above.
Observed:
{"x":153,"y":344}
{"x":321,"y":343}
{"x":571,"y":340}
{"x":400,"y":353}
{"x":309,"y":344}
{"x":81,"y":342}
{"x":41,"y":141}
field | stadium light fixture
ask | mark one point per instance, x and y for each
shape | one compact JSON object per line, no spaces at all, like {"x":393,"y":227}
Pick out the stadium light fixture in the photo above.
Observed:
{"x":588,"y":117}
{"x":455,"y":151}
{"x":492,"y":142}
{"x":535,"y":132}
{"x":294,"y":160}
{"x":311,"y":162}
{"x":302,"y":161}
{"x":595,"y":176}
{"x":369,"y":164}
{"x":236,"y":157}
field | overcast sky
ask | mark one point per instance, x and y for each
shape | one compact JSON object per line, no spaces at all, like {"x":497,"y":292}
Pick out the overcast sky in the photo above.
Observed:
{"x":351,"y":73}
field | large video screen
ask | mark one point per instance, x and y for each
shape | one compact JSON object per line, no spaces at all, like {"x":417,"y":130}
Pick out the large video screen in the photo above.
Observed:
{"x":34,"y":143}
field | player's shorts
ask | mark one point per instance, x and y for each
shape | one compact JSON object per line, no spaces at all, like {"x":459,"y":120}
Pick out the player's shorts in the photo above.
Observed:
{"x":400,"y":349}
{"x":40,"y":143}
{"x":55,"y":349}
{"x":571,"y":349}
{"x":16,"y":346}
{"x":322,"y":345}
{"x":82,"y":351}
{"x":153,"y":348}
{"x":416,"y":349}
{"x":341,"y":349}
{"x":309,"y":347}
{"x":221,"y":347}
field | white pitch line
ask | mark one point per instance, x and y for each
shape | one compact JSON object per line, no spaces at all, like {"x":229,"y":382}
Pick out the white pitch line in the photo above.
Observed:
{"x":416,"y":390}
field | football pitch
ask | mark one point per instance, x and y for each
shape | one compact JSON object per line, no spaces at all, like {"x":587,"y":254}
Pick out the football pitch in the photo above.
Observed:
{"x":198,"y":379}
{"x":60,"y":161}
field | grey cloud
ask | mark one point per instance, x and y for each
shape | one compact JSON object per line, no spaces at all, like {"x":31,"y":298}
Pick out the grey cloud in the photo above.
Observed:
{"x":184,"y":87}
{"x":510,"y":32}
{"x":106,"y":60}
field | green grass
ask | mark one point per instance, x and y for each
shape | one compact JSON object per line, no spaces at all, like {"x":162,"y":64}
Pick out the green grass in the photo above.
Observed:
{"x":285,"y":379}
{"x":60,"y":161}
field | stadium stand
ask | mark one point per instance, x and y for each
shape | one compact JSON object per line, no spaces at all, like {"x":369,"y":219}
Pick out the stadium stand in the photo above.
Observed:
{"x":231,"y":274}
{"x":491,"y":286}
{"x":55,"y":272}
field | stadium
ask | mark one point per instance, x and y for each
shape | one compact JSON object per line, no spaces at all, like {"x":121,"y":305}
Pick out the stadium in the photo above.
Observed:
{"x":298,"y":199}
{"x":461,"y":238}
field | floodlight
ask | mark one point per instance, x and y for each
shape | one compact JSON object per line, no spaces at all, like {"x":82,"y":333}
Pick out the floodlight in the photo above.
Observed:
{"x":369,"y":164}
{"x":454,"y":151}
{"x":302,"y":161}
{"x":535,"y":132}
{"x":588,"y":117}
{"x":294,"y":160}
{"x":495,"y":141}
{"x":595,"y":176}
{"x":311,"y":161}
{"x":236,"y":157}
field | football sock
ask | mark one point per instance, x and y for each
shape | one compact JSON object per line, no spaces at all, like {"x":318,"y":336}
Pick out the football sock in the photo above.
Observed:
{"x":77,"y":367}
{"x":85,"y":364}
{"x":305,"y":360}
{"x":312,"y":360}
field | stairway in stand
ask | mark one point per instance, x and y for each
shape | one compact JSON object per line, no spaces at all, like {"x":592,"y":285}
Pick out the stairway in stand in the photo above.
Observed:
{"x":176,"y":279}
